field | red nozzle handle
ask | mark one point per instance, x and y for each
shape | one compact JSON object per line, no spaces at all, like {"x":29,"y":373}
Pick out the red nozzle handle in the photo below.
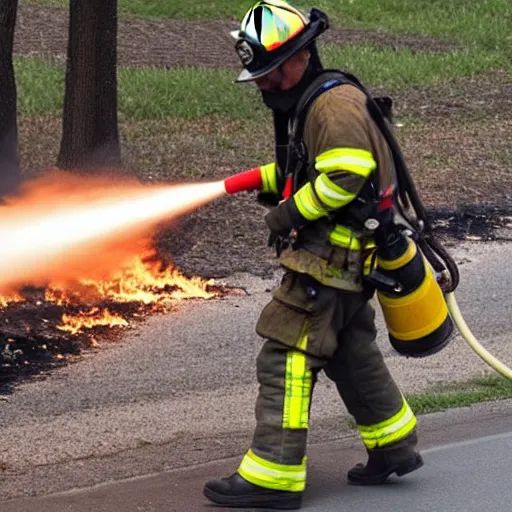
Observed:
{"x":288,"y":187}
{"x":247,"y":180}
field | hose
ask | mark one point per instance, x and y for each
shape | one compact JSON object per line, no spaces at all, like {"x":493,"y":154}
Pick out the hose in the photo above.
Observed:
{"x":435,"y":253}
{"x":463,"y":328}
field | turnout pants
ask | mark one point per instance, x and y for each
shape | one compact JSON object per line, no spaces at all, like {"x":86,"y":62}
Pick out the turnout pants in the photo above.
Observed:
{"x":310,"y":327}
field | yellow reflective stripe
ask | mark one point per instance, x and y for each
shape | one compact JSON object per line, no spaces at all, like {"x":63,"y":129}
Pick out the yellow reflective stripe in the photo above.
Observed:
{"x":303,"y":340}
{"x":307,"y":203}
{"x":269,"y":178}
{"x":331,"y":194}
{"x":271,"y":475}
{"x":406,"y":257}
{"x":298,"y":381}
{"x":345,"y":237}
{"x":357,"y":161}
{"x":297,"y":392}
{"x":328,"y":196}
{"x":389,"y":431}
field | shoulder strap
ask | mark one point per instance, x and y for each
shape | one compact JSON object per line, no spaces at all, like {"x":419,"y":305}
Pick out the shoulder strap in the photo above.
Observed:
{"x":380,"y":111}
{"x":298,"y":159}
{"x":326,"y":80}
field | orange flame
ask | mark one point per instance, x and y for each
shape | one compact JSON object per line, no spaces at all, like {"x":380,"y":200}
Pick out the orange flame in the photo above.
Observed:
{"x":5,"y":300}
{"x":141,"y":282}
{"x":62,"y":226}
{"x":93,"y":318}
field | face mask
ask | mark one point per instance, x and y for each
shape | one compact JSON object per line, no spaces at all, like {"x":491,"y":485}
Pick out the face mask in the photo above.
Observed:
{"x":281,"y":101}
{"x":285,"y":101}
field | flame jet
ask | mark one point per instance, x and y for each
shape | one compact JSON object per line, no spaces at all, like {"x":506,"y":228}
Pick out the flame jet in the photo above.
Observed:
{"x":62,"y":225}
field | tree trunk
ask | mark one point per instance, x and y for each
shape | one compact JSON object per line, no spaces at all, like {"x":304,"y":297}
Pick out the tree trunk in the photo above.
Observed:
{"x":90,"y":137}
{"x":9,"y":158}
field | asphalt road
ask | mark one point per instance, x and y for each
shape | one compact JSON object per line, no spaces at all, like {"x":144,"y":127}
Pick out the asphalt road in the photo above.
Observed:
{"x":179,"y":392}
{"x":467,"y":469}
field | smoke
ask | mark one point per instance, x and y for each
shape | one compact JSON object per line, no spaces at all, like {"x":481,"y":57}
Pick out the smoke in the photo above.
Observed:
{"x":61,"y":227}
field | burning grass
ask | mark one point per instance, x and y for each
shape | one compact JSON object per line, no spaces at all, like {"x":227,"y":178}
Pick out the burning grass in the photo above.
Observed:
{"x":45,"y":327}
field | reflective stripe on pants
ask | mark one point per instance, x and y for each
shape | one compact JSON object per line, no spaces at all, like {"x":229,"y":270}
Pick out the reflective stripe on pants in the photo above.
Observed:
{"x":390,"y":431}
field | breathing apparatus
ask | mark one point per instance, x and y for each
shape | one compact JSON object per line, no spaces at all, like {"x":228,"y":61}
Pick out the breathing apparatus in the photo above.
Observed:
{"x":409,"y":268}
{"x":412,"y":303}
{"x":446,"y":273}
{"x":414,"y":276}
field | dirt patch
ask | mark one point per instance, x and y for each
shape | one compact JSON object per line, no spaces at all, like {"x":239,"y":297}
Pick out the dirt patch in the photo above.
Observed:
{"x":395,"y":42}
{"x":487,"y":96}
{"x":172,"y":43}
{"x":457,"y":164}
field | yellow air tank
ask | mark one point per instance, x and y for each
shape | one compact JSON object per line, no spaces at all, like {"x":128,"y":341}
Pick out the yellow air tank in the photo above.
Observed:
{"x":412,"y":302}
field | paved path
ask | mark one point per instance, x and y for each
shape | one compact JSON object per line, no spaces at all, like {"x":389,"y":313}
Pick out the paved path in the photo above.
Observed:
{"x":467,"y":469}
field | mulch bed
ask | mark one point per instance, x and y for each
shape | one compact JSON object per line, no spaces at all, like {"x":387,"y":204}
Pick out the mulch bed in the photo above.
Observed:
{"x":172,"y":43}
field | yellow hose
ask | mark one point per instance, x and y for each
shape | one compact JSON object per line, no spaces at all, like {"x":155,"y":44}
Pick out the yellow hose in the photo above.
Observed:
{"x":471,"y":340}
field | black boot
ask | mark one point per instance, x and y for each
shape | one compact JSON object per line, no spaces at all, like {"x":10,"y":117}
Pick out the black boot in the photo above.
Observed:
{"x":237,"y":492}
{"x":400,"y":459}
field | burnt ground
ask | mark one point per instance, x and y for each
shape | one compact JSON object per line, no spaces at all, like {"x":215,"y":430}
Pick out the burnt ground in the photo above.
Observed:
{"x":457,"y":139}
{"x":31,"y":343}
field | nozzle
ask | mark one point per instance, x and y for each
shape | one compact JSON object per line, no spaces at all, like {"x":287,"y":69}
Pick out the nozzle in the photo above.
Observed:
{"x":244,"y":181}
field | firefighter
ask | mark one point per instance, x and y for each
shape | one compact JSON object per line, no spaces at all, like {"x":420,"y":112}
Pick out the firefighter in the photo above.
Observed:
{"x":320,"y":317}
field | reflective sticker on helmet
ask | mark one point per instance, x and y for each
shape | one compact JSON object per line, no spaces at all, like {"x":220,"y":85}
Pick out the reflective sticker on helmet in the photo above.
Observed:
{"x":245,"y":52}
{"x":273,"y":23}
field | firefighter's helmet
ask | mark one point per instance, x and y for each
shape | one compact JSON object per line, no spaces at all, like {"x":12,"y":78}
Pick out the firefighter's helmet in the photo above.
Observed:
{"x":271,"y":32}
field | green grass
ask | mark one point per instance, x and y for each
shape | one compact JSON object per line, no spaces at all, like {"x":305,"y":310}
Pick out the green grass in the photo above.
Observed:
{"x":377,"y":65}
{"x":461,"y":394}
{"x":486,"y":23}
{"x":186,"y":93}
{"x":40,"y":86}
{"x":144,"y":93}
{"x":189,"y":93}
{"x":46,"y":3}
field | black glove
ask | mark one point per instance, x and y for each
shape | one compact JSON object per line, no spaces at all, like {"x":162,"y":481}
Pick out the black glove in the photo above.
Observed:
{"x":268,"y":200}
{"x":279,"y":219}
{"x":283,"y":242}
{"x":280,"y":243}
